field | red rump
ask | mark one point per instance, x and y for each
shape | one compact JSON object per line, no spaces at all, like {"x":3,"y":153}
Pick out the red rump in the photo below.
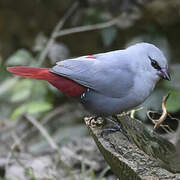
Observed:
{"x":62,"y":83}
{"x":90,"y":56}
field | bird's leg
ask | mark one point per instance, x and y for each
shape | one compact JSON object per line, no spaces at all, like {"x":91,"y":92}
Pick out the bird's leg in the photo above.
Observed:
{"x":97,"y":121}
{"x":116,"y":127}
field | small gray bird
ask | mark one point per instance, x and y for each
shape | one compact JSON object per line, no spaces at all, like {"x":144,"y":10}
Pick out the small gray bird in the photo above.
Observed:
{"x":106,"y":83}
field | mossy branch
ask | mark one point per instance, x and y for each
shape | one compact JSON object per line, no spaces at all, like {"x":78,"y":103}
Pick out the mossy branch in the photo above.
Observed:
{"x":147,"y":154}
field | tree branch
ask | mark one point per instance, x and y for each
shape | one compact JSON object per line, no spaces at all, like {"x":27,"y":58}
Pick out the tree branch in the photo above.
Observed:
{"x":143,"y":154}
{"x":57,"y":28}
{"x":50,"y":141}
{"x":87,"y":28}
{"x":43,"y":131}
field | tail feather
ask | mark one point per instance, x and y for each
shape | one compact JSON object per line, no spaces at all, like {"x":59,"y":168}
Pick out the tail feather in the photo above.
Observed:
{"x":30,"y":72}
{"x":62,"y":83}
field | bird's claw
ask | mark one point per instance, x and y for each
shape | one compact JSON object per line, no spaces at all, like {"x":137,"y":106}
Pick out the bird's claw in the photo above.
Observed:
{"x":95,"y":121}
{"x":117,"y":127}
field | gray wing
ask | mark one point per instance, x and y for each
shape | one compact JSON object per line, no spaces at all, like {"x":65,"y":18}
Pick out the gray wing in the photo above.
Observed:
{"x":112,"y":78}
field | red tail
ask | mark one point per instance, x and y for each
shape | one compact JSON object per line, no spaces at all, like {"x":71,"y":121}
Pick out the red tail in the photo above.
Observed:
{"x":64,"y":84}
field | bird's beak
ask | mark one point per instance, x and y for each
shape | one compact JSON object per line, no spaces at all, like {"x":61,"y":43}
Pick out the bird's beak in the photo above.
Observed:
{"x":163,"y":73}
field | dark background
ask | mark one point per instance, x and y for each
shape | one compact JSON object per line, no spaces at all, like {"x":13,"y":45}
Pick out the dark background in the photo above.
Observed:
{"x":25,"y":29}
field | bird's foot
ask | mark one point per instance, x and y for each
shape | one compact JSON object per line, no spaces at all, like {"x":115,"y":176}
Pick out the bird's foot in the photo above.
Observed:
{"x":116,"y":127}
{"x":95,"y":121}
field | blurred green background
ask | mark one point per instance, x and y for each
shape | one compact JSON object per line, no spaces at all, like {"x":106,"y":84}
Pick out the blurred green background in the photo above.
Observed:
{"x":26,"y":28}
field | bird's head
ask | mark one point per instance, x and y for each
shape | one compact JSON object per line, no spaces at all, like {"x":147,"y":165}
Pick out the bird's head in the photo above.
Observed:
{"x":151,"y":61}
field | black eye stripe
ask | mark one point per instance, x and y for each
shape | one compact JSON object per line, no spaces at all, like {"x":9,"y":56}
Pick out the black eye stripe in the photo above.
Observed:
{"x":154,"y":64}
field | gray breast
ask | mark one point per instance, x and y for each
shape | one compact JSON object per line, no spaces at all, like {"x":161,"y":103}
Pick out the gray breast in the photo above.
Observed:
{"x":101,"y":105}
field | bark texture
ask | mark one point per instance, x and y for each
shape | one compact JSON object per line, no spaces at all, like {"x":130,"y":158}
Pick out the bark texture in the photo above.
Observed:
{"x":146,"y":155}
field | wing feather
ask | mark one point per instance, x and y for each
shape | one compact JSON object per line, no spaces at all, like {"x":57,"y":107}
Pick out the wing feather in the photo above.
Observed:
{"x":111,"y":77}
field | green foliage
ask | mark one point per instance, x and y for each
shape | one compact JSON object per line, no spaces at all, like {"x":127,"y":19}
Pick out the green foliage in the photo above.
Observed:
{"x":85,"y":173}
{"x":30,"y":174}
{"x":20,"y":57}
{"x":24,"y":95}
{"x":34,"y":107}
{"x":94,"y":15}
{"x":30,"y":94}
{"x":39,"y":90}
{"x":7,"y":85}
{"x":18,"y":111}
{"x":21,"y":90}
{"x":102,"y":174}
{"x":38,"y":106}
{"x":173,"y":103}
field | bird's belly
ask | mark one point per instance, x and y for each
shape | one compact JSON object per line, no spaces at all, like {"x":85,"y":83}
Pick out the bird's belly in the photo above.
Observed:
{"x":102,"y":105}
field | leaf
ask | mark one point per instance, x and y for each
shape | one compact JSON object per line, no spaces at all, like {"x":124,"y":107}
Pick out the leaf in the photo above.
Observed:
{"x":22,"y":90}
{"x":108,"y":35}
{"x":26,"y":88}
{"x":173,"y":103}
{"x":39,"y":90}
{"x":4,"y":73}
{"x":175,"y":81}
{"x":40,"y":42}
{"x":7,"y":85}
{"x":18,"y":111}
{"x":4,"y":111}
{"x":57,"y":52}
{"x":20,"y":57}
{"x":21,"y":95}
{"x":38,"y":107}
{"x":33,"y":107}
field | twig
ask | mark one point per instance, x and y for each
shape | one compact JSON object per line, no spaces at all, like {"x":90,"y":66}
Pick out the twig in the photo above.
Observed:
{"x":55,"y":112}
{"x":57,"y":28}
{"x":51,"y":142}
{"x":49,"y":116}
{"x":87,"y":28}
{"x":175,"y":135}
{"x":159,"y":121}
{"x":132,"y":112}
{"x":12,"y":154}
{"x":57,"y":33}
{"x":16,"y":144}
{"x":43,"y":131}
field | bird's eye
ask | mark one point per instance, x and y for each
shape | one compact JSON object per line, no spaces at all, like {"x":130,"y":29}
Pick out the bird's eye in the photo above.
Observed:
{"x":154,"y":64}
